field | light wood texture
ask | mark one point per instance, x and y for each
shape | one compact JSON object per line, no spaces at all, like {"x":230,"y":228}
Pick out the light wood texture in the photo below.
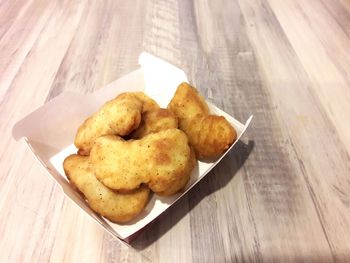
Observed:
{"x":283,"y":194}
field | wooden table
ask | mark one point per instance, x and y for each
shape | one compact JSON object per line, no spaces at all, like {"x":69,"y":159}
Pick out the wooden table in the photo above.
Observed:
{"x":283,"y":194}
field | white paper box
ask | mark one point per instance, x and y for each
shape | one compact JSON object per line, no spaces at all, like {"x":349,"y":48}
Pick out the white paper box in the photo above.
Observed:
{"x":50,"y":130}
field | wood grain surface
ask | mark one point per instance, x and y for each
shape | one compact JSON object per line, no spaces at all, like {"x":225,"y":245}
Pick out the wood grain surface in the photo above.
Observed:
{"x":281,"y":195}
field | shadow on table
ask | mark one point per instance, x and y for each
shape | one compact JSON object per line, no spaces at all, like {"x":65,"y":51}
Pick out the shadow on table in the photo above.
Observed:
{"x":233,"y":161}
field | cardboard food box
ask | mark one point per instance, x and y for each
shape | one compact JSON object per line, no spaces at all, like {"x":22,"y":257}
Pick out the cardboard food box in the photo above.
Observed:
{"x":50,"y":130}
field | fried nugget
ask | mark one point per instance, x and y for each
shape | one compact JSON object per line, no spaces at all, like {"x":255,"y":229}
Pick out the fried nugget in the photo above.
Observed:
{"x":116,"y":207}
{"x":119,"y":116}
{"x":155,"y":121}
{"x":210,"y":135}
{"x":187,"y":102}
{"x":148,"y":103}
{"x":162,"y":160}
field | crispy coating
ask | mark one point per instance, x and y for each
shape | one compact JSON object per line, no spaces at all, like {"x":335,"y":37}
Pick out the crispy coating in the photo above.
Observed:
{"x":119,"y":116}
{"x":148,"y":103}
{"x":187,"y":102}
{"x":155,"y":121}
{"x":117,"y":207}
{"x":162,"y":160}
{"x":209,"y":135}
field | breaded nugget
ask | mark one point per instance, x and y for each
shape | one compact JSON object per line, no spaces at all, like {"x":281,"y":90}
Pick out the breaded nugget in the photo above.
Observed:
{"x":117,"y":207}
{"x":210,"y":135}
{"x":119,"y":116}
{"x":162,"y":160}
{"x":155,"y":121}
{"x":148,"y":103}
{"x":187,"y":102}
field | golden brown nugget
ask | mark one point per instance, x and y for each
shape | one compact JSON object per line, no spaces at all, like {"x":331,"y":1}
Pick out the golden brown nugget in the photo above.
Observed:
{"x":148,"y":103}
{"x":209,"y":135}
{"x":162,"y":160}
{"x":187,"y":102}
{"x":155,"y":121}
{"x":116,"y":207}
{"x":119,"y":116}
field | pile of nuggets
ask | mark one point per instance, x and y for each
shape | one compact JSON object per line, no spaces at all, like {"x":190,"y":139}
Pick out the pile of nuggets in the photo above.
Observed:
{"x":131,"y":148}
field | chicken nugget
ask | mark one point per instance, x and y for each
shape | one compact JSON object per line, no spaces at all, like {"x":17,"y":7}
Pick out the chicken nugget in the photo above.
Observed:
{"x":187,"y":102}
{"x":163,"y":160}
{"x":209,"y":135}
{"x":155,"y":121}
{"x":119,"y":116}
{"x":117,"y":207}
{"x":148,"y":103}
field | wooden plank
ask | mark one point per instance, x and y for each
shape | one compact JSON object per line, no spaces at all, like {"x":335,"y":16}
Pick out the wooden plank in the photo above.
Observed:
{"x":311,"y":131}
{"x":339,"y":13}
{"x":19,"y":39}
{"x":325,"y":60}
{"x":9,"y":11}
{"x":103,"y":50}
